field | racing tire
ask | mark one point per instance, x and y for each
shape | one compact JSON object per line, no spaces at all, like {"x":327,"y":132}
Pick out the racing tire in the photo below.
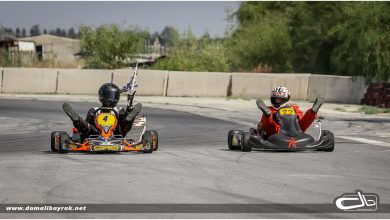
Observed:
{"x":63,"y":137}
{"x":148,"y":137}
{"x":331,"y":137}
{"x":245,"y":145}
{"x":230,"y":139}
{"x":52,"y":141}
{"x":155,"y":139}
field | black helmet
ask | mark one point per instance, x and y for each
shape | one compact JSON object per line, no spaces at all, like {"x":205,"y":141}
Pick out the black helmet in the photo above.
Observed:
{"x":109,"y":95}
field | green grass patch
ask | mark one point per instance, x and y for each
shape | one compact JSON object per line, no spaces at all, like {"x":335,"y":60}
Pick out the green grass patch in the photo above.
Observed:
{"x":373,"y":110}
{"x":340,"y":109}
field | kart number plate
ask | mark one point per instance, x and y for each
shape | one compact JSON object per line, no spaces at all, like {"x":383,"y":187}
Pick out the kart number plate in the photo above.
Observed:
{"x":106,"y":119}
{"x":287,"y":111}
{"x":106,"y":148}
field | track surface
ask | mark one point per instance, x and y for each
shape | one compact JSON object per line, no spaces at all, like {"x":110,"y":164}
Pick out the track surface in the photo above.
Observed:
{"x":192,"y":165}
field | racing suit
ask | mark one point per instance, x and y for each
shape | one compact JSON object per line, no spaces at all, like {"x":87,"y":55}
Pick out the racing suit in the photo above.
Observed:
{"x":87,"y":127}
{"x":270,"y":125}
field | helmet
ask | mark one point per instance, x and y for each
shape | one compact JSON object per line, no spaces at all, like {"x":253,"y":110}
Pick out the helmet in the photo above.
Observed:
{"x":109,"y":95}
{"x":282,"y":93}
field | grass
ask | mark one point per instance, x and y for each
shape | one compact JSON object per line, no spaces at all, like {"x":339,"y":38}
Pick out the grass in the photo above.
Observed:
{"x":340,"y":109}
{"x":373,"y":110}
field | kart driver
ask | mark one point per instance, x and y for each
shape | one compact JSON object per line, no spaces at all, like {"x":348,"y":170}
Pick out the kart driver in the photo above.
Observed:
{"x":109,"y":95}
{"x":280,"y":97}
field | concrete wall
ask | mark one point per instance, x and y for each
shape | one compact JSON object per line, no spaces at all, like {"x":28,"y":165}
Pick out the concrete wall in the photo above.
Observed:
{"x":253,"y":85}
{"x":198,"y":84}
{"x":1,"y":79}
{"x":76,"y":81}
{"x":150,"y":82}
{"x":29,"y":80}
{"x":342,"y":89}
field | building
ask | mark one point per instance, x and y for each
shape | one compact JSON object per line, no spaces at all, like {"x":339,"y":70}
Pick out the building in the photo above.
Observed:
{"x":56,"y":49}
{"x":14,"y":52}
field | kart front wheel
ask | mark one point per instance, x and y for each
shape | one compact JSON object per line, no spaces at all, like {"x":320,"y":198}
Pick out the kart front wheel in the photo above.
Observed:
{"x":330,"y":135}
{"x":154,"y":139}
{"x":53,"y":142}
{"x":245,"y":145}
{"x":148,"y":138}
{"x":233,"y":139}
{"x":63,"y":138}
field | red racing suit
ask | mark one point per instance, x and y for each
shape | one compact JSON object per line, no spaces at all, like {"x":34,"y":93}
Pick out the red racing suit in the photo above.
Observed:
{"x":271,"y":124}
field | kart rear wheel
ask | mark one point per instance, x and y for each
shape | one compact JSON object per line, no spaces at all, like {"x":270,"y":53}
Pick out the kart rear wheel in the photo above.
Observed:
{"x":63,"y":137}
{"x":230,"y":139}
{"x":148,"y":137}
{"x":155,"y":139}
{"x":245,"y":145}
{"x":331,"y":137}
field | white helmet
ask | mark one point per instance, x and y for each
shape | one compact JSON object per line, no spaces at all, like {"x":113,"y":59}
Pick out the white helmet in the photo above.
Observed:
{"x":282,"y":93}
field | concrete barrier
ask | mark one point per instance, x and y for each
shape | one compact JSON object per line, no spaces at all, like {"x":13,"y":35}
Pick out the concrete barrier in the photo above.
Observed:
{"x":150,"y":82}
{"x":29,"y":80}
{"x":82,"y":81}
{"x":198,"y":84}
{"x":1,"y":79}
{"x":338,"y":89}
{"x":254,"y":85}
{"x":341,"y":89}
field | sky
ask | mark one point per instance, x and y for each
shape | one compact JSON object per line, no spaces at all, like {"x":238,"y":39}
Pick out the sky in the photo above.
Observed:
{"x":199,"y":16}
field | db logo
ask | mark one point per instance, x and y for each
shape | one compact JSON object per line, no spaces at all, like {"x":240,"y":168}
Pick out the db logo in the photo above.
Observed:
{"x":358,"y":201}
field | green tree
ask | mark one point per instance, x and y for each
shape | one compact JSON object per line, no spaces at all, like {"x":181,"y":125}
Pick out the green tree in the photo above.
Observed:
{"x":312,"y":43}
{"x":35,"y":30}
{"x":364,"y":40}
{"x":192,"y":54}
{"x":345,"y":38}
{"x":261,"y":38}
{"x":24,"y":32}
{"x":17,"y":32}
{"x":71,"y":33}
{"x":110,"y":47}
{"x":169,"y":36}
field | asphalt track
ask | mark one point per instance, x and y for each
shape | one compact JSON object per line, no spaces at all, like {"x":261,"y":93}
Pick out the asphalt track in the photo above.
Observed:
{"x":192,"y":166}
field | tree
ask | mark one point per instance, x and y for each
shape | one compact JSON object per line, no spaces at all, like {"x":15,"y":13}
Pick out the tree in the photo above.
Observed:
{"x":169,"y":36}
{"x":261,"y":39}
{"x":9,"y":31}
{"x":71,"y":33}
{"x":63,"y":33}
{"x":17,"y":32}
{"x":44,"y":31}
{"x":363,"y":40}
{"x":58,"y":32}
{"x":35,"y":30}
{"x":192,"y":54}
{"x":110,"y":47}
{"x":24,"y":32}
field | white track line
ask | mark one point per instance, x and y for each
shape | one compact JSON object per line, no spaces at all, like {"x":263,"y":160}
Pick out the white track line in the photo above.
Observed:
{"x":366,"y":141}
